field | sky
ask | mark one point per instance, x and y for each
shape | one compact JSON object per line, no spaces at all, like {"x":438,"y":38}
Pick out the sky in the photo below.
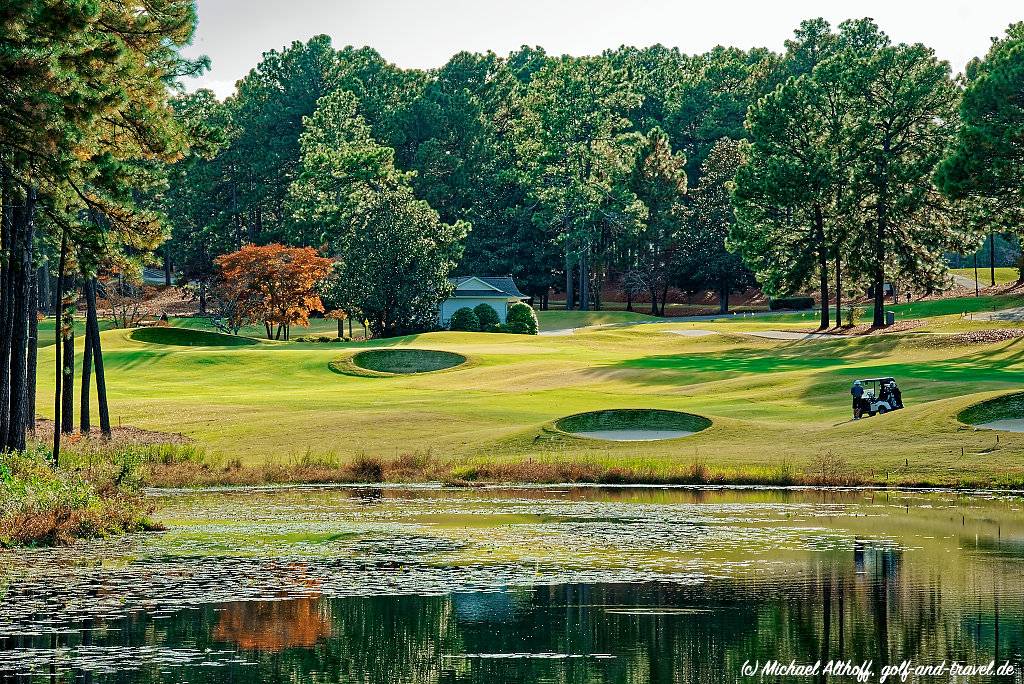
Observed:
{"x":425,"y":33}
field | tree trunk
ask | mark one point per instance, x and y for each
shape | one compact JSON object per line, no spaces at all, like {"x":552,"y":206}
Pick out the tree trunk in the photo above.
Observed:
{"x":584,"y":282}
{"x":878,"y":319}
{"x":33,"y":356}
{"x":839,"y":292}
{"x":43,"y":287}
{"x":8,"y":239}
{"x":167,"y":269}
{"x":664,"y":298}
{"x":569,"y":294}
{"x":723,"y":297}
{"x":84,"y":425}
{"x":819,"y":229}
{"x":202,"y":297}
{"x":92,"y":330}
{"x":23,"y":309}
{"x":57,"y":338}
{"x":341,"y":328}
{"x":977,"y":284}
{"x":992,"y":255}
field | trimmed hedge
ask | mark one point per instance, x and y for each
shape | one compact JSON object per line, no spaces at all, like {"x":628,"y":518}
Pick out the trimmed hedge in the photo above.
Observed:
{"x":464,"y":320}
{"x":521,"y":320}
{"x":487,"y":317}
{"x":791,"y":303}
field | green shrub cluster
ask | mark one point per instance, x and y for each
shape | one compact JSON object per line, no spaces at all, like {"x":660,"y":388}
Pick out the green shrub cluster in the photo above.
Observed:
{"x":521,"y":319}
{"x":464,"y":320}
{"x":487,"y":317}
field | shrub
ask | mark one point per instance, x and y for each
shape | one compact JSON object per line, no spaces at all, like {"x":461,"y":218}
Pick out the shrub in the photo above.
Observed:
{"x":798,"y":303}
{"x":464,"y":319}
{"x":521,"y":319}
{"x":487,"y":316}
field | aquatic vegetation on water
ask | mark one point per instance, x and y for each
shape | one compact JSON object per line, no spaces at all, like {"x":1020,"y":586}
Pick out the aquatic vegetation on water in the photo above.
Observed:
{"x":435,"y":583}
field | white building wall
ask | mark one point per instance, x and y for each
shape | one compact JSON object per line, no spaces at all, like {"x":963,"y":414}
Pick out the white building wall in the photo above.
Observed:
{"x":450,"y":306}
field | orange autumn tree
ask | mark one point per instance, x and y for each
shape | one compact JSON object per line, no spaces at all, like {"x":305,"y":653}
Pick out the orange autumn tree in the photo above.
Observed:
{"x":273,"y":284}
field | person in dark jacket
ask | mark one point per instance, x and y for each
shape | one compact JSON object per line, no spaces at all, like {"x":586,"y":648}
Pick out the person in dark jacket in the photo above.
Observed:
{"x":858,"y":394}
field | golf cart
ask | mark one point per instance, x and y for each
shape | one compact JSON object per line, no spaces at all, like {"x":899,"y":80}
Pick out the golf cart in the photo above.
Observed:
{"x":881,"y":395}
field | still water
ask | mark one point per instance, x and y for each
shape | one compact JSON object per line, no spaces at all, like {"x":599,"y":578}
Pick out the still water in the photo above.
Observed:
{"x":523,"y":585}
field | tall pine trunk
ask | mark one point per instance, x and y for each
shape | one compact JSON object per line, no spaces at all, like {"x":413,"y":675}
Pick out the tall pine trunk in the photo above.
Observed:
{"x":992,"y":255}
{"x":7,"y":241}
{"x":819,"y":230}
{"x":584,"y":282}
{"x":92,"y":332}
{"x":878,"y":319}
{"x":32,"y":362}
{"x":84,"y":425}
{"x":58,"y":336}
{"x":21,"y":265}
{"x":569,"y":294}
{"x":839,"y":292}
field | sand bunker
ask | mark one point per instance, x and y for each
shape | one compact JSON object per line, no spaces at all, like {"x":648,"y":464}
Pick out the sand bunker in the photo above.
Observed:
{"x":633,"y":435}
{"x":692,"y":333}
{"x":1006,"y":425}
{"x":633,"y":425}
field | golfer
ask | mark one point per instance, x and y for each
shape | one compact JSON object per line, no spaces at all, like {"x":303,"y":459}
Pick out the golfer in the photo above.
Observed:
{"x":858,"y":393}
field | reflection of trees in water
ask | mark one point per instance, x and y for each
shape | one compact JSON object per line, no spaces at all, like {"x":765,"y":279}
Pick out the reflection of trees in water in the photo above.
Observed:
{"x":273,"y":625}
{"x":859,"y":604}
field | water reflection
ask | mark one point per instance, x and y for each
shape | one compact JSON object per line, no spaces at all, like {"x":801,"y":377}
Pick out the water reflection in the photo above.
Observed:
{"x":852,"y":576}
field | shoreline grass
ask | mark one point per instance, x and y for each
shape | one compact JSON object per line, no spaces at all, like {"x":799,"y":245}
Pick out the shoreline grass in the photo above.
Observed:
{"x":41,"y":506}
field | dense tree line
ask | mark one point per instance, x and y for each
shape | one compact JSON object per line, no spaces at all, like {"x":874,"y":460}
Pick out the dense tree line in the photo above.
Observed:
{"x":648,"y":168}
{"x":529,"y":165}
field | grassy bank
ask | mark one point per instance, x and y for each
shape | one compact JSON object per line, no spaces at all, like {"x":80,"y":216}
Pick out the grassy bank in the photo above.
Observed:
{"x":40,"y":506}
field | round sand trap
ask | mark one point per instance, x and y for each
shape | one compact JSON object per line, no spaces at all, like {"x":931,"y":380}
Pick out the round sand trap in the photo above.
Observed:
{"x":187,"y":337}
{"x":406,"y":361}
{"x":633,"y":425}
{"x":1007,"y":425}
{"x":1005,"y":413}
{"x":633,"y":435}
{"x":693,"y":332}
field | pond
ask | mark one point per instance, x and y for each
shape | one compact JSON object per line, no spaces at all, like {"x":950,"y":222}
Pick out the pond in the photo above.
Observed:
{"x":494,"y":585}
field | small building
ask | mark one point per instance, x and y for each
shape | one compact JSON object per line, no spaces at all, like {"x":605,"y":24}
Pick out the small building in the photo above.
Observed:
{"x":470,"y":291}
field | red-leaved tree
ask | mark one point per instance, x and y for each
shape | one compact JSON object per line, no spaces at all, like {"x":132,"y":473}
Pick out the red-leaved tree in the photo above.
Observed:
{"x":273,"y":284}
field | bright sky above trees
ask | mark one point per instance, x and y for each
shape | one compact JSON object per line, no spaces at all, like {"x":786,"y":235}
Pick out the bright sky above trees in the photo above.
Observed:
{"x":414,"y":33}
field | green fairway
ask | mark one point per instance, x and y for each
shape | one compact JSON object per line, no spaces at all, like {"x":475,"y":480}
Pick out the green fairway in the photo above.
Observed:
{"x":1004,"y":275}
{"x":772,"y":403}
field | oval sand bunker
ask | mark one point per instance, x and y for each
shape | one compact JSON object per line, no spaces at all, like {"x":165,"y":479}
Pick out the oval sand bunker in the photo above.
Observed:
{"x":633,"y":425}
{"x":633,"y":435}
{"x":1005,"y":413}
{"x":1007,"y":425}
{"x":407,"y":361}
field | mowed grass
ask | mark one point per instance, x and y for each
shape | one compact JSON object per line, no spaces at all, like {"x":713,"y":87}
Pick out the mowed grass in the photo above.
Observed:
{"x":773,"y":404}
{"x":1004,"y":275}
